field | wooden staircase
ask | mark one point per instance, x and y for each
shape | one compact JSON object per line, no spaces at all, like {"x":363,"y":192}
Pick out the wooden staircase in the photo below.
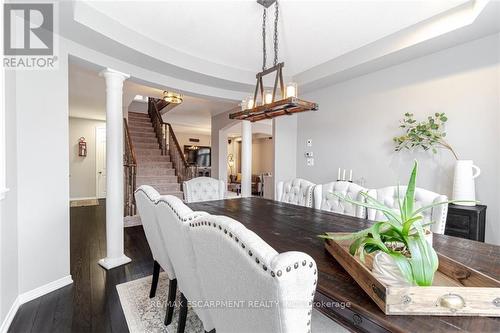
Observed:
{"x":154,"y":167}
{"x":152,"y":155}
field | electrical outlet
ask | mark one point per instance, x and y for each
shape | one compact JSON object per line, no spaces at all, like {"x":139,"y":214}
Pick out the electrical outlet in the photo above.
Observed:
{"x":310,"y":161}
{"x":309,"y":154}
{"x":309,"y":143}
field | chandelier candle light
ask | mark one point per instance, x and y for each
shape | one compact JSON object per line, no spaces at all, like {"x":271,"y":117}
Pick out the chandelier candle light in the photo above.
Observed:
{"x":271,"y":104}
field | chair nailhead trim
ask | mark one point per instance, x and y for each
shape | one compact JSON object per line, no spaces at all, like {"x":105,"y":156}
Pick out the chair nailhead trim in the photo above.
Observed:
{"x":257,"y":260}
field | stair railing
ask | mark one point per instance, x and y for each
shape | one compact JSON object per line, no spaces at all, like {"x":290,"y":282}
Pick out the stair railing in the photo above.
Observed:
{"x":130,"y":172}
{"x":169,"y":143}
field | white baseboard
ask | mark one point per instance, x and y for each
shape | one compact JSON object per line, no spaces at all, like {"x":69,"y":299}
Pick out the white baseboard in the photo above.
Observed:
{"x":83,"y":198}
{"x":45,"y":289}
{"x":31,"y":295}
{"x":10,"y":316}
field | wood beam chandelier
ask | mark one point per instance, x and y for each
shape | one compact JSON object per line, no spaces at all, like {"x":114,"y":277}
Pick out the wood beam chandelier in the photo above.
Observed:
{"x":267,"y":103}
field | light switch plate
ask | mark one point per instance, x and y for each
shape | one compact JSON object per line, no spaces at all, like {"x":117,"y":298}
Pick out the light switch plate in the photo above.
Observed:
{"x":310,"y":161}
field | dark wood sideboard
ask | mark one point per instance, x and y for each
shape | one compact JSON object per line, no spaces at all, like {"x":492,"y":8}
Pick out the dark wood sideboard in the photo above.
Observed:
{"x":466,"y":222}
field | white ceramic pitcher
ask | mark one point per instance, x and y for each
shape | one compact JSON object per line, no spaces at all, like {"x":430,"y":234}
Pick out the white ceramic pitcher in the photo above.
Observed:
{"x":463,"y":182}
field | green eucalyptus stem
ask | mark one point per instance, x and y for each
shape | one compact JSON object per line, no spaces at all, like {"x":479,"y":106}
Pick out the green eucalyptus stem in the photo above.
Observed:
{"x":426,"y":135}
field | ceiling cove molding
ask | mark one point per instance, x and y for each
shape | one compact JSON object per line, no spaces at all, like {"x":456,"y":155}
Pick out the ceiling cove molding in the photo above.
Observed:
{"x":440,"y":32}
{"x":94,"y":30}
{"x":176,"y":62}
{"x":93,"y":60}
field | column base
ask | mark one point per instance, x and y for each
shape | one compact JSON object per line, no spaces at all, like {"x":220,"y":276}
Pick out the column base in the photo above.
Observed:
{"x":109,"y":263}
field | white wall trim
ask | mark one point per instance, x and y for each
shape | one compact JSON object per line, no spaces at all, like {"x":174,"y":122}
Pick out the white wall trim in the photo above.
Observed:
{"x":31,"y":295}
{"x":10,"y":316}
{"x":45,"y":289}
{"x":82,"y":198}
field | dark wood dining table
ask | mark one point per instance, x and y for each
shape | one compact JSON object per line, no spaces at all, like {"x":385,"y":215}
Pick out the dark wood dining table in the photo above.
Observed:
{"x":289,"y":227}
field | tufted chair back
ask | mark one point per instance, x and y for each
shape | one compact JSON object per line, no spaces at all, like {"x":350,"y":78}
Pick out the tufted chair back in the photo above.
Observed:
{"x":146,"y":198}
{"x":297,"y":191}
{"x":388,"y":196}
{"x":203,"y":189}
{"x":323,"y":199}
{"x":237,"y":265}
{"x":174,"y":217}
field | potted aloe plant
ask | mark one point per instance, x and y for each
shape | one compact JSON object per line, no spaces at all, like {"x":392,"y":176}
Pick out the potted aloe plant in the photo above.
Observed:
{"x":403,"y":256}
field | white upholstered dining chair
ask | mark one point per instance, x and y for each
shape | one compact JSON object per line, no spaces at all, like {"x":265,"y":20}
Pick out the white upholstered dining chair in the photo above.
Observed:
{"x":297,"y":191}
{"x":203,"y":189}
{"x":388,"y":196}
{"x":237,"y":265}
{"x":174,"y":217}
{"x":146,"y":198}
{"x":325,"y":200}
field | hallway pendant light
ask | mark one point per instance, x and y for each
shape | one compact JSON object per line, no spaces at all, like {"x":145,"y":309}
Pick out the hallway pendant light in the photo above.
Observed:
{"x":172,"y":97}
{"x":267,"y":103}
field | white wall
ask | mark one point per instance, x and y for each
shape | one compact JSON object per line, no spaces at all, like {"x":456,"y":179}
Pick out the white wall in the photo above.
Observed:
{"x":358,"y":118}
{"x":285,"y":131}
{"x":9,"y":259}
{"x":82,"y":170}
{"x":262,"y":156}
{"x":220,"y":126}
{"x":42,"y":174}
{"x":183,"y":138}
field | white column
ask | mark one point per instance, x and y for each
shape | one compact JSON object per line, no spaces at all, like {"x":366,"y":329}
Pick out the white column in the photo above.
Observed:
{"x":246,"y":158}
{"x":114,"y":169}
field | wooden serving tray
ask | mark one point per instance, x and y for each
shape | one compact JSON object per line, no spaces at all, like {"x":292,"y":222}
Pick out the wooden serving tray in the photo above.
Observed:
{"x":457,"y":289}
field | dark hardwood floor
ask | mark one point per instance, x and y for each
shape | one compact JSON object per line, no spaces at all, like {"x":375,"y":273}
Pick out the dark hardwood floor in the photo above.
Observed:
{"x":91,"y":303}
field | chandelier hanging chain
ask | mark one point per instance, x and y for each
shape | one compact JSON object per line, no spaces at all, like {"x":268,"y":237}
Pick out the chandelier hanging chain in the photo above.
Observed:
{"x":281,"y":100}
{"x":276,"y":15}
{"x":275,"y":37}
{"x":264,"y":53}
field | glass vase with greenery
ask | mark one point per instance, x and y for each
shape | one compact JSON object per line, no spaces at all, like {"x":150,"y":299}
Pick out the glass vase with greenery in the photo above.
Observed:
{"x":402,"y":236}
{"x":428,"y":134}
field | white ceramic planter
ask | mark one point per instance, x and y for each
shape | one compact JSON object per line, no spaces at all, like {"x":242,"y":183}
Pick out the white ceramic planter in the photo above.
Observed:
{"x":386,"y":271}
{"x":463,"y":182}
